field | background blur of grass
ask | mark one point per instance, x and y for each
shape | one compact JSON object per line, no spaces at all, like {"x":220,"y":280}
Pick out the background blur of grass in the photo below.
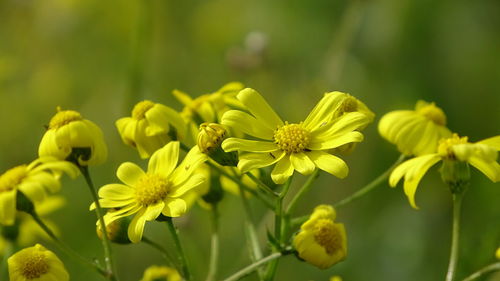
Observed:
{"x":100,"y":57}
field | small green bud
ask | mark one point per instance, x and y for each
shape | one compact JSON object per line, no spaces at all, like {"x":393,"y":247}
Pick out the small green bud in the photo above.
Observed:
{"x":456,"y":174}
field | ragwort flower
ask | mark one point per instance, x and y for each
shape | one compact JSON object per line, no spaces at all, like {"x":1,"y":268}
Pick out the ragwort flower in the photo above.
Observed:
{"x":36,"y":263}
{"x":322,"y":242}
{"x":151,"y":126}
{"x":68,"y":133}
{"x":415,"y":132}
{"x":161,"y":273}
{"x":292,"y":146}
{"x":34,"y":181}
{"x":157,"y":191}
{"x":482,"y":155}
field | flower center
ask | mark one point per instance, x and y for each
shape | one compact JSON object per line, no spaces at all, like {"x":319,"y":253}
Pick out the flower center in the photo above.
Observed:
{"x":291,"y":138}
{"x":433,"y":113}
{"x":12,"y":177}
{"x":327,"y":235}
{"x":64,"y":117}
{"x":445,"y":145}
{"x":141,"y":108}
{"x":34,"y":265}
{"x":151,"y":189}
{"x":349,"y":104}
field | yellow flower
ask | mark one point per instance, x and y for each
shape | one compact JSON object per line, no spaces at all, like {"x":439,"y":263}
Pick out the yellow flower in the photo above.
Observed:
{"x":68,"y":133}
{"x":336,"y":278}
{"x":36,"y":263}
{"x":482,"y":155}
{"x":415,"y":132}
{"x":321,"y":242}
{"x":157,"y":191}
{"x":151,"y":126}
{"x":161,"y":273}
{"x":209,"y":107}
{"x":292,"y":146}
{"x":34,"y":181}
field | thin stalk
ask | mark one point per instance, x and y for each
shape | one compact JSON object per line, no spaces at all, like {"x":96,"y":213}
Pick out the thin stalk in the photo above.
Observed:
{"x":240,"y":183}
{"x":252,"y":267}
{"x":487,"y":269}
{"x":250,"y":231}
{"x":106,"y":245}
{"x":370,"y":186}
{"x":180,"y":252}
{"x":452,"y":266}
{"x":163,"y":251}
{"x":214,"y":245}
{"x":303,"y":190}
{"x":261,"y":184}
{"x":65,"y":248}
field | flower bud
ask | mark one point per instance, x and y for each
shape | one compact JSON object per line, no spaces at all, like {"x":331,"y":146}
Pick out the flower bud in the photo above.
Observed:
{"x":210,"y":138}
{"x":456,"y":174}
{"x":117,"y":231}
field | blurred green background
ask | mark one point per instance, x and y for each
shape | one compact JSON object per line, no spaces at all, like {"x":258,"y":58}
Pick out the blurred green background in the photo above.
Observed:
{"x":101,"y":57}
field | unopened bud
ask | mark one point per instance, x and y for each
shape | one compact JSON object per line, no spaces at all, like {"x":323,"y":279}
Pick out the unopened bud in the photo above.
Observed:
{"x":210,"y":138}
{"x":117,"y":231}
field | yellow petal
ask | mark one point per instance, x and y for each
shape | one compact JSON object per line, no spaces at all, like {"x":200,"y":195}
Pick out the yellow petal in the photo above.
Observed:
{"x":247,"y":124}
{"x":116,"y":192}
{"x":344,"y":124}
{"x":259,"y":108}
{"x":320,"y":143}
{"x":159,"y":116}
{"x":174,"y":207}
{"x":493,"y":142}
{"x":323,"y":111}
{"x":136,"y":227}
{"x":127,"y":127}
{"x":191,"y":183}
{"x":153,"y":211}
{"x":415,"y":173}
{"x":282,"y":171}
{"x":8,"y":207}
{"x":164,"y":160}
{"x":250,"y":161}
{"x":329,"y":163}
{"x":191,"y":162}
{"x":491,"y":169}
{"x":49,"y":146}
{"x":129,"y":173}
{"x":235,"y":144}
{"x":182,"y":97}
{"x":302,"y":163}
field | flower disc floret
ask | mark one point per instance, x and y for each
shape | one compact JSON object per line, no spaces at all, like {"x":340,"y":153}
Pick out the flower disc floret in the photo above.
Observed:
{"x":326,"y":235}
{"x":292,"y":138}
{"x":64,"y":117}
{"x":445,"y":147}
{"x":432,"y":112}
{"x":151,"y":189}
{"x":12,"y":177}
{"x":140,"y":109}
{"x":36,"y":263}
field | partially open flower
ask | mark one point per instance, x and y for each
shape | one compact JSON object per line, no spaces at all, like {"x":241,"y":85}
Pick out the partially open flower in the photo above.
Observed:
{"x":70,"y":137}
{"x":321,"y":242}
{"x":161,"y":273}
{"x":36,"y":263}
{"x":34,"y":181}
{"x":210,"y":139}
{"x":151,"y":126}
{"x":415,"y":132}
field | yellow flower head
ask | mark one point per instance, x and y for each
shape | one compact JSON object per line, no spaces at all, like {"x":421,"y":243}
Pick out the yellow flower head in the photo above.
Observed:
{"x":34,"y":181}
{"x":210,"y":136}
{"x":69,"y":133}
{"x":36,"y":263}
{"x":482,"y":155}
{"x":161,"y":273}
{"x":300,"y":146}
{"x":151,"y":126}
{"x":209,"y":107}
{"x":321,"y":242}
{"x":157,"y":191}
{"x":415,"y":132}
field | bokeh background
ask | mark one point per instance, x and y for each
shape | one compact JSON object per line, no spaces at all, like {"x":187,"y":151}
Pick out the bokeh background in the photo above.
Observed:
{"x":101,"y":57}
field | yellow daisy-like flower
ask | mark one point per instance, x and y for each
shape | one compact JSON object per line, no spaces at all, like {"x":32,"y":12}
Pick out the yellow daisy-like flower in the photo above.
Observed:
{"x":209,"y":107}
{"x":161,"y":273}
{"x":157,"y":191}
{"x":69,"y":133}
{"x":34,"y":180}
{"x":151,"y":126}
{"x":321,"y":242}
{"x":415,"y":132}
{"x":482,"y":155}
{"x":36,"y":263}
{"x":292,"y":146}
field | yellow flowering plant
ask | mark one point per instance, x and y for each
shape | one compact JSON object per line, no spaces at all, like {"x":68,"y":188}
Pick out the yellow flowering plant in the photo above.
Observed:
{"x":233,"y":141}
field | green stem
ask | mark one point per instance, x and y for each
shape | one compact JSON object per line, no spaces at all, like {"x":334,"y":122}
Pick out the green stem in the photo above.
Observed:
{"x":180,"y":252}
{"x":65,"y":248}
{"x":240,"y":183}
{"x":457,"y":204}
{"x":303,"y":190}
{"x":250,"y":231}
{"x":252,"y":267}
{"x":214,"y":246}
{"x":370,"y":186}
{"x":106,"y":245}
{"x":487,"y":269}
{"x":262,"y":185}
{"x":163,"y":251}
